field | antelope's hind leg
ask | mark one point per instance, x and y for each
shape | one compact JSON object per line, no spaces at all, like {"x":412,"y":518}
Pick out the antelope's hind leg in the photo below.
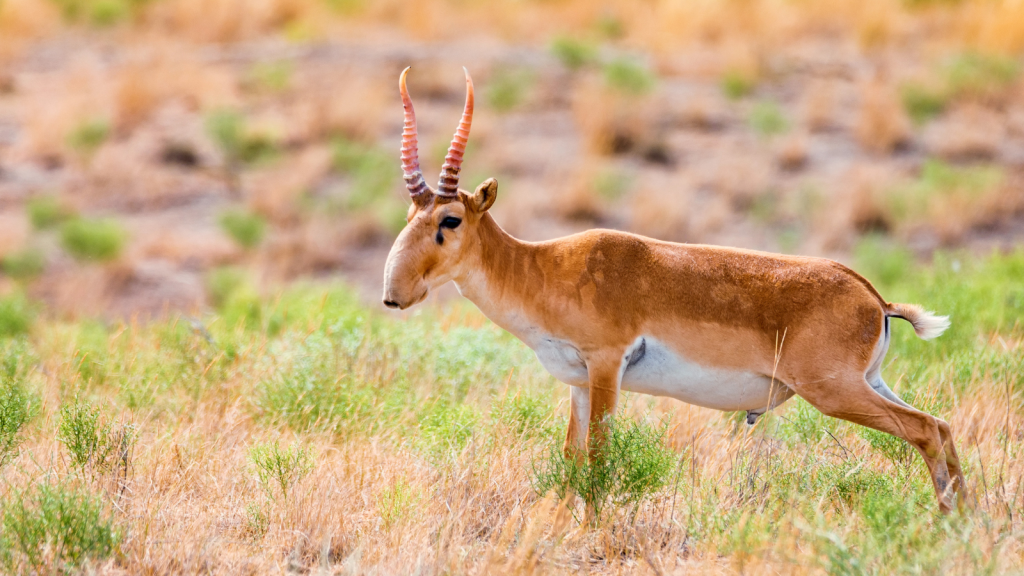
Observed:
{"x":853,"y":399}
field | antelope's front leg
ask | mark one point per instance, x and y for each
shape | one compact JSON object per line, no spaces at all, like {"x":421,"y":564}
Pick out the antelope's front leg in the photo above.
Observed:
{"x":579,"y":418}
{"x":605,"y":373}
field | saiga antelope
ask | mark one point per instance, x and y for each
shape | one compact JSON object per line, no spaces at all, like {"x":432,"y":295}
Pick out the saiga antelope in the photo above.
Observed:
{"x":607,"y":311}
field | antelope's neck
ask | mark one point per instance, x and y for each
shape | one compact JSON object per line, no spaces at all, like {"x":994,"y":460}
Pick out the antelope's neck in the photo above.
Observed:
{"x":502,"y":278}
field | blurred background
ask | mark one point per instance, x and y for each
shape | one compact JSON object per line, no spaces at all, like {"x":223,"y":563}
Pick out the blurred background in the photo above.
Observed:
{"x":157,"y":154}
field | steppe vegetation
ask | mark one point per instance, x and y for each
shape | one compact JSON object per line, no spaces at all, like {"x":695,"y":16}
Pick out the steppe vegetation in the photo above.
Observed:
{"x":308,"y":433}
{"x":197,"y":196}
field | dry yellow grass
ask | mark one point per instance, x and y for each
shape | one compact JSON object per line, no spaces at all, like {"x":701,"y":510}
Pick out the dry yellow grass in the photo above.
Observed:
{"x":379,"y":496}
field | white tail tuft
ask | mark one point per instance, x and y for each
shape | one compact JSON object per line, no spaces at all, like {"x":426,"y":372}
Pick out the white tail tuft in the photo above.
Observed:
{"x":926,"y":324}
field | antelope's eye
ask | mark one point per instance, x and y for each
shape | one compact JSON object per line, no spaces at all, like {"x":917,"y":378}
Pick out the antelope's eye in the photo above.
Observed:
{"x":451,"y":222}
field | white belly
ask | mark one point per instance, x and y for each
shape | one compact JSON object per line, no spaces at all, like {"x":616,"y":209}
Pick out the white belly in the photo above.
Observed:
{"x":660,"y":371}
{"x":663,"y":372}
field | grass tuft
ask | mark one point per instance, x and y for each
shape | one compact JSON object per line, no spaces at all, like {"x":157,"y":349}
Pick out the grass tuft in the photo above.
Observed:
{"x":767,"y":119}
{"x":93,"y":240}
{"x":23,"y":265}
{"x":93,"y":442}
{"x":245,"y":228}
{"x":573,"y":53}
{"x":16,"y":410}
{"x":629,"y":77}
{"x":47,"y":211}
{"x":277,"y":469}
{"x":88,"y":136}
{"x":634,"y":465}
{"x":55,"y":528}
{"x":16,"y":315}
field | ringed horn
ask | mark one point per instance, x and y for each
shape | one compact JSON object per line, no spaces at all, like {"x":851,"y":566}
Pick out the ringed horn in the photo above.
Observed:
{"x":414,"y":181}
{"x":448,"y":186}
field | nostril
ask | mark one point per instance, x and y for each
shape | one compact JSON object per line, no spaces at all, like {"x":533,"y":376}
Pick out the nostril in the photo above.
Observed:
{"x":391,"y":304}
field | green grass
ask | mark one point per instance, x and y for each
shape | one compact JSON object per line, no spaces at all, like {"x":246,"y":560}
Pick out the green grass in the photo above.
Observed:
{"x":240,"y":143}
{"x":923,"y":102}
{"x":508,"y":88}
{"x":24,"y":264}
{"x":573,"y":53}
{"x":272,"y":77}
{"x":88,"y":136}
{"x":277,"y":469}
{"x":99,"y":13}
{"x":767,"y":119}
{"x":16,"y":410}
{"x":47,"y":211}
{"x":467,"y":409}
{"x":93,"y":240}
{"x":373,"y":178}
{"x":944,"y":193}
{"x":16,"y":315}
{"x":54,"y":528}
{"x":94,"y":442}
{"x":245,"y":228}
{"x":629,"y":77}
{"x":736,"y":84}
{"x":970,"y":75}
{"x":974,"y":74}
{"x":634,"y":465}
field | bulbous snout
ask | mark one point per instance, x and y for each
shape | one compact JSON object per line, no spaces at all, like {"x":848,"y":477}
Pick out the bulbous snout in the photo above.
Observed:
{"x":405,"y":299}
{"x":404,"y":286}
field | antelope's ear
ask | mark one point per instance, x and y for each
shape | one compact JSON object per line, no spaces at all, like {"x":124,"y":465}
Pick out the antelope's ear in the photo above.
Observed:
{"x":484,"y":195}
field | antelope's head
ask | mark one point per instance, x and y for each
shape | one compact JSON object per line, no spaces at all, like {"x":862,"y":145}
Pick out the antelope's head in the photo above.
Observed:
{"x":441,"y":230}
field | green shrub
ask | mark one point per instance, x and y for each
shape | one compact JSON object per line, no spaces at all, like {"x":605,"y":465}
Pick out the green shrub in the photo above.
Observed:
{"x":940,"y":183}
{"x":47,"y":211}
{"x":446,"y":428}
{"x":767,"y":119}
{"x":246,"y":228}
{"x":271,"y":76}
{"x":93,"y":442}
{"x":736,"y":84}
{"x":23,"y":265}
{"x":633,"y":465}
{"x":55,"y":529}
{"x":99,"y":12}
{"x":883,"y":262}
{"x":629,"y":77}
{"x":93,"y":240}
{"x":853,"y":483}
{"x":257,"y":520}
{"x":225,"y":127}
{"x":372,"y":171}
{"x":610,"y":27}
{"x":979,"y":75}
{"x":507,"y":89}
{"x":525,"y":415}
{"x":88,"y":136}
{"x":922,"y":103}
{"x":896,"y":450}
{"x":15,"y":412}
{"x":310,"y":390}
{"x":611,"y":185}
{"x":395,"y":502}
{"x":238,"y":142}
{"x":572,"y":53}
{"x":222,"y":283}
{"x":16,"y":315}
{"x":278,"y":469}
